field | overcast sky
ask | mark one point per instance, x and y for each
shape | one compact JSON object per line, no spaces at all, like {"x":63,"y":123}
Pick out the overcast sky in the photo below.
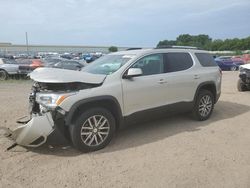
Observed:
{"x":120,"y":22}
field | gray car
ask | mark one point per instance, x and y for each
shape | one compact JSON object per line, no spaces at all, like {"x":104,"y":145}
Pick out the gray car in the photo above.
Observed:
{"x":8,"y":67}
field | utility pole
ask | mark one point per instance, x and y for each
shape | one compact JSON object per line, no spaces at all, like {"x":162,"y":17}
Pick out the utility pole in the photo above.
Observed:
{"x":27,"y":43}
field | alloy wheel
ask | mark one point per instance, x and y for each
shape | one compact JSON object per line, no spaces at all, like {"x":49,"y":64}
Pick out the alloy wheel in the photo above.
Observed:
{"x":95,"y":130}
{"x":234,"y":68}
{"x":205,"y":105}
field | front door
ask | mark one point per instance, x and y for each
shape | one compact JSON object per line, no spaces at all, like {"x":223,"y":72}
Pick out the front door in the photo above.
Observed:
{"x":145,"y":91}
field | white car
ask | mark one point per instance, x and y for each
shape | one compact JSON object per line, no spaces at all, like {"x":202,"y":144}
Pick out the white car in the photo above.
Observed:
{"x":89,"y":105}
{"x":244,"y":80}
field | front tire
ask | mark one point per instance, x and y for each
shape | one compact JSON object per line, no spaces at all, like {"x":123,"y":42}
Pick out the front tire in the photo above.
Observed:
{"x":234,"y":68}
{"x":93,"y":130}
{"x":241,"y":86}
{"x":204,"y":105}
{"x":3,"y":75}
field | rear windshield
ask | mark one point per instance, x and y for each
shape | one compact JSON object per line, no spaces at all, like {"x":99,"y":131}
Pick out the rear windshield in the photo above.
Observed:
{"x":206,"y":60}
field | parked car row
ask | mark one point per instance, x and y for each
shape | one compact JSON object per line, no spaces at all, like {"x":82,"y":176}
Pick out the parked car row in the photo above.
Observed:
{"x":228,"y":63}
{"x":65,"y":64}
{"x":11,"y":67}
{"x":89,"y":57}
{"x":22,"y":67}
{"x":232,"y":62}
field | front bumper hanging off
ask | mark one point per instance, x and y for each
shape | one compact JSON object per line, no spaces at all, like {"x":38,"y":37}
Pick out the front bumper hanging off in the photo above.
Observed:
{"x":35,"y":132}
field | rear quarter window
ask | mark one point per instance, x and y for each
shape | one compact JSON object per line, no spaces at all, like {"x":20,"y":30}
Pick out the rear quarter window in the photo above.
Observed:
{"x":176,"y":61}
{"x":205,"y":59}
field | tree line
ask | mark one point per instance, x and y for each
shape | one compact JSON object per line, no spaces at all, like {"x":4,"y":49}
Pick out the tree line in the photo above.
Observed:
{"x":207,"y":43}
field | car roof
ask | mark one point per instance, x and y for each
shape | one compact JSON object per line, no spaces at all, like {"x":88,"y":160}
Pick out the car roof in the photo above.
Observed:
{"x":156,"y":50}
{"x":132,"y":52}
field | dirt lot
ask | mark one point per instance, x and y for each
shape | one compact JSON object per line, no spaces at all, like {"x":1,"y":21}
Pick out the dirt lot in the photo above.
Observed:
{"x":172,"y":152}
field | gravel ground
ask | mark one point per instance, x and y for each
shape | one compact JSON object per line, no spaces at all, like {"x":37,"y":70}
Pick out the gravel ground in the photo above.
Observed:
{"x":172,"y":152}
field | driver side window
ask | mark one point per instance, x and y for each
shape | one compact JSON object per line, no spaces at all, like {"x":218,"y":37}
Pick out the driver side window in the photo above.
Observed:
{"x":151,"y":64}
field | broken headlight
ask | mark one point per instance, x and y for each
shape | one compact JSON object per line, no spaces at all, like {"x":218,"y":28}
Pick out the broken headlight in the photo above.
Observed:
{"x":52,"y":100}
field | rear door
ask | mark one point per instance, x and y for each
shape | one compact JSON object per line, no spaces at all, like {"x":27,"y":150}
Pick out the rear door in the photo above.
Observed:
{"x":181,"y":80}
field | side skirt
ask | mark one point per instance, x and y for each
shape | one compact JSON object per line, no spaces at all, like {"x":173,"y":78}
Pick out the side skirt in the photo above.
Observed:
{"x":159,"y":112}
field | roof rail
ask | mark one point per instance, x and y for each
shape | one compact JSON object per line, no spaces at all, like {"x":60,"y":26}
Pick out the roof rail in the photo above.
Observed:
{"x":133,"y":49}
{"x":178,"y":47}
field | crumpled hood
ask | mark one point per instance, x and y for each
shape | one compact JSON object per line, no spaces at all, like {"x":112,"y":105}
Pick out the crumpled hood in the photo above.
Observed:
{"x":246,"y":66}
{"x":54,"y":75}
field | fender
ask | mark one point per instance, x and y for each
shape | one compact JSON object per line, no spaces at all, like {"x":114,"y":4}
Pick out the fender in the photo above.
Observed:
{"x":216,"y":97}
{"x":98,"y":99}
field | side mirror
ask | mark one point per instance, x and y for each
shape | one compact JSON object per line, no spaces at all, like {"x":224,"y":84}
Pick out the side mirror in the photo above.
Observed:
{"x":133,"y":72}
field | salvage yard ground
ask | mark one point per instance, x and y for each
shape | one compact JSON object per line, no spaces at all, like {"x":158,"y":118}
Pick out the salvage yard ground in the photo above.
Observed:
{"x":171,"y":152}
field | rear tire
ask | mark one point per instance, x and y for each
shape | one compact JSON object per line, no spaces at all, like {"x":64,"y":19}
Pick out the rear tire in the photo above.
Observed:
{"x":204,"y":105}
{"x":234,"y":68}
{"x":93,"y":130}
{"x":3,"y":75}
{"x":241,"y":86}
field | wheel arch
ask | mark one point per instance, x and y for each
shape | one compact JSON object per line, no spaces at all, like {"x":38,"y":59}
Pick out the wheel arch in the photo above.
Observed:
{"x":210,"y":86}
{"x":108,"y":102}
{"x":1,"y":69}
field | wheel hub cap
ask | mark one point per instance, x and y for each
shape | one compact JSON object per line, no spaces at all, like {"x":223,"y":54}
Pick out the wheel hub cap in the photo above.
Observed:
{"x":205,"y":105}
{"x":95,"y":130}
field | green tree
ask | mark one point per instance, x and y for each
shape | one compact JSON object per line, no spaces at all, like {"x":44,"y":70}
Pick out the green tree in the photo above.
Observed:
{"x":205,"y":42}
{"x":166,"y":43}
{"x":184,"y":40}
{"x":216,"y":45}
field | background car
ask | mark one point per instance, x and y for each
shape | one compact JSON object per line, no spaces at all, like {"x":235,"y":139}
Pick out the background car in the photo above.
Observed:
{"x":246,"y":58}
{"x":68,"y":64}
{"x":91,"y":57}
{"x":26,"y":66}
{"x":226,"y":63}
{"x":237,"y":58}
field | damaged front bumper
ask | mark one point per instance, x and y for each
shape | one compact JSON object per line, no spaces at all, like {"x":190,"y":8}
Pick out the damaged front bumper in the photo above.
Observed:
{"x":35,"y":132}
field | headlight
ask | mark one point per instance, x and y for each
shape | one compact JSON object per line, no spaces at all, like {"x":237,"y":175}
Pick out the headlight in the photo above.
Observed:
{"x":52,"y":100}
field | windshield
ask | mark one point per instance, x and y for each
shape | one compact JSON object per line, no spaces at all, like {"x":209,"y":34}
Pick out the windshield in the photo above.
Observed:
{"x":107,"y":64}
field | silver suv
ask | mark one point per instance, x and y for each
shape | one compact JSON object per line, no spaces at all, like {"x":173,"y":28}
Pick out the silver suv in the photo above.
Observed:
{"x":89,"y":105}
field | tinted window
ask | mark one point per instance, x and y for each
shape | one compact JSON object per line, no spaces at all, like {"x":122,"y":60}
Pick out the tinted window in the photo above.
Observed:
{"x":175,"y":61}
{"x":205,"y":59}
{"x":9,"y":61}
{"x":152,"y":64}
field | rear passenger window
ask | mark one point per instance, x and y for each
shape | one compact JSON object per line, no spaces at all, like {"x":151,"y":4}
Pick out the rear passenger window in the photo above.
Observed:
{"x":206,"y":60}
{"x":175,"y":61}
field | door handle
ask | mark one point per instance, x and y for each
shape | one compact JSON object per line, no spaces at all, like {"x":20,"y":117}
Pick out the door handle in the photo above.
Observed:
{"x":162,"y":81}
